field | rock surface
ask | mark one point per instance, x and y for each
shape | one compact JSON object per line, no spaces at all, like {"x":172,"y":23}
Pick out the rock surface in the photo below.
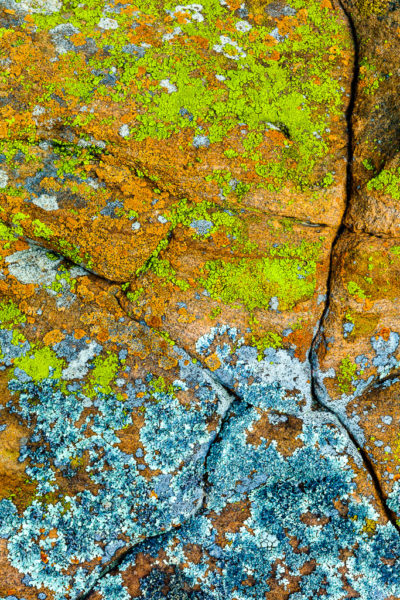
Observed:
{"x":199,"y":340}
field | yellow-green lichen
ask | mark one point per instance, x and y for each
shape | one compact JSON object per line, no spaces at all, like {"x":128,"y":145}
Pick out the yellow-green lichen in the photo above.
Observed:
{"x":162,"y":268}
{"x":388,"y":182}
{"x":221,"y":77}
{"x":40,"y":363}
{"x":269,"y":340}
{"x":355,"y":290}
{"x":102,"y":375}
{"x":10,"y":314}
{"x":288,"y":275}
{"x":41,"y":229}
{"x":347,"y":371}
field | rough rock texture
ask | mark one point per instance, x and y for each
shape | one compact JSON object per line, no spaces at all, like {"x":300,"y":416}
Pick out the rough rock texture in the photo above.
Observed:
{"x":199,"y":346}
{"x":376,"y":119}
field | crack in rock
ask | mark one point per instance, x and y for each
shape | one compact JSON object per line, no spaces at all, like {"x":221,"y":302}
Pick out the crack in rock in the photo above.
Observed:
{"x":228,"y":396}
{"x":315,"y":389}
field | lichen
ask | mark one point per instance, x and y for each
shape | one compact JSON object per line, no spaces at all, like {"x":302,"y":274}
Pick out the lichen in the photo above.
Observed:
{"x":388,"y":182}
{"x":287,"y":274}
{"x":40,"y":363}
{"x":347,"y":371}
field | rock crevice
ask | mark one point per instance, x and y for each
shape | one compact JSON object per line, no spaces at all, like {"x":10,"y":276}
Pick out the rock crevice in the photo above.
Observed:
{"x":317,"y":394}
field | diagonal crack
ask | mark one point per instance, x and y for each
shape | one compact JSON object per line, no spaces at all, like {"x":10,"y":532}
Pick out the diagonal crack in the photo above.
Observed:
{"x":315,"y":388}
{"x":222,"y":390}
{"x":315,"y":391}
{"x":115,"y":564}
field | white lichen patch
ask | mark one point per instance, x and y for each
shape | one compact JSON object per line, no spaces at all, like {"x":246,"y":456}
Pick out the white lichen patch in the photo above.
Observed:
{"x":292,"y":374}
{"x":38,"y":110}
{"x":3,"y":179}
{"x":92,"y":141}
{"x":78,"y":368}
{"x":44,"y":7}
{"x":60,"y":36}
{"x":167,"y":85}
{"x":201,"y":141}
{"x":107,"y":23}
{"x":170,"y":36}
{"x":229,"y":48}
{"x":46,"y":202}
{"x":275,"y":34}
{"x":33,"y":266}
{"x":191,"y":12}
{"x":243,"y":26}
{"x":124,"y":131}
{"x":274,"y":303}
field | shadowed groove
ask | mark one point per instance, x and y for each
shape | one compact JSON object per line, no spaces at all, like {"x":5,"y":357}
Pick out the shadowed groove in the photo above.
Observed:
{"x":317,"y":397}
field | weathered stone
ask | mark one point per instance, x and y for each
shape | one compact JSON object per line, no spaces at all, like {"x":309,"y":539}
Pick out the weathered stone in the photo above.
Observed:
{"x":262,"y":127}
{"x":357,"y":350}
{"x":376,"y":119}
{"x":279,"y":522}
{"x":264,"y":276}
{"x":358,"y":341}
{"x":195,"y":367}
{"x":85,"y":390}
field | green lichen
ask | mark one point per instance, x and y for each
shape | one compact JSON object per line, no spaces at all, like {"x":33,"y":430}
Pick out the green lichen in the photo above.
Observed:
{"x":162,"y":268}
{"x":17,"y":338}
{"x":42,"y":230}
{"x":73,"y":158}
{"x":63,"y":280}
{"x":355,"y":290}
{"x":226,"y":219}
{"x":154,"y":256}
{"x":373,"y":7}
{"x":10,"y":149}
{"x":269,"y":340}
{"x":16,"y":221}
{"x":254,"y":282}
{"x":16,"y":192}
{"x":103,"y":373}
{"x":165,"y":335}
{"x":347,"y":371}
{"x":158,"y":388}
{"x":40,"y":363}
{"x":364,"y":325}
{"x":7,"y":234}
{"x":367,"y":163}
{"x":372,"y":79}
{"x":10,"y":314}
{"x":294,"y":91}
{"x":215,"y":312}
{"x":287,"y":274}
{"x":134,"y":296}
{"x":388,"y":182}
{"x":70,"y":251}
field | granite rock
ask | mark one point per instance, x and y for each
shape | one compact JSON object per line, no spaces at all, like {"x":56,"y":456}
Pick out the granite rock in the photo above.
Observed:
{"x":198,"y":300}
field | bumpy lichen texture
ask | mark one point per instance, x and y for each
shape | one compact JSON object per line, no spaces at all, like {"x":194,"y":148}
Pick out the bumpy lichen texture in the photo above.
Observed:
{"x":172,"y":178}
{"x":113,"y":112}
